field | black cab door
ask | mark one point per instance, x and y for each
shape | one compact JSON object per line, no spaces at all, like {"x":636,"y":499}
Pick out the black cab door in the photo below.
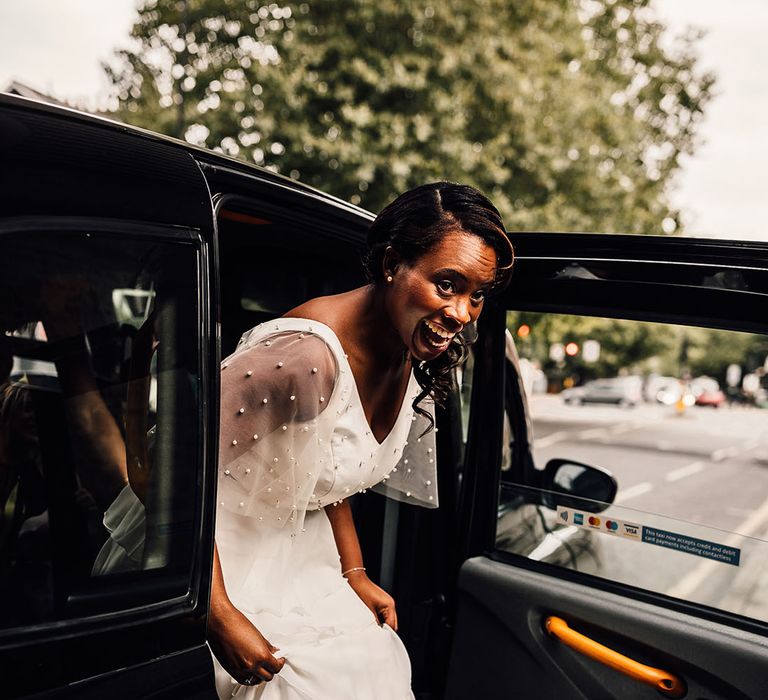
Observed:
{"x":108,"y":360}
{"x":643,"y":358}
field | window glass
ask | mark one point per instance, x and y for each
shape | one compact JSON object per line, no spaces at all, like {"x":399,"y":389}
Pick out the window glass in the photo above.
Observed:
{"x":99,"y":423}
{"x":679,"y":416}
{"x":464,"y":375}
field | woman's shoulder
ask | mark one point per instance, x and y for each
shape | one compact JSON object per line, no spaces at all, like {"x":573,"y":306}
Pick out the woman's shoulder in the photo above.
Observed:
{"x":305,"y":336}
{"x":314,"y":323}
{"x":327,"y":310}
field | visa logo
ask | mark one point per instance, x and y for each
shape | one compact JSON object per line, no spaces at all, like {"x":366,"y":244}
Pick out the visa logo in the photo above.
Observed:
{"x":631,"y":530}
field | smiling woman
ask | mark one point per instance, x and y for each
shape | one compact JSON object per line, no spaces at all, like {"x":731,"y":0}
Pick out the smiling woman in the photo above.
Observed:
{"x":453,"y":239}
{"x":328,"y":401}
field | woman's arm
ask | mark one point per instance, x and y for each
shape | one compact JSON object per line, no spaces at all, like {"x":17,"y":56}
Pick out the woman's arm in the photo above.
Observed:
{"x":240,"y":648}
{"x":380,"y":603}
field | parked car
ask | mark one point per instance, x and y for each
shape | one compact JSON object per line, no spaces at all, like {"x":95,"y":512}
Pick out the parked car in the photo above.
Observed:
{"x":656,"y":385}
{"x":706,"y":391}
{"x":622,"y":391}
{"x":158,"y":255}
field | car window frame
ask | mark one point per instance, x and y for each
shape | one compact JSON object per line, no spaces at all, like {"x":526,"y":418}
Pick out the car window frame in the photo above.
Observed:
{"x":195,"y":598}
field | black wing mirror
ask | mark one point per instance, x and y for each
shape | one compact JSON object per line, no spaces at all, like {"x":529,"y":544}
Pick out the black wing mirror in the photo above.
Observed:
{"x":576,"y":485}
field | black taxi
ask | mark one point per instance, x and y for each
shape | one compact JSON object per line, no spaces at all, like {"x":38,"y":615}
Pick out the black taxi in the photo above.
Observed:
{"x":130,"y":263}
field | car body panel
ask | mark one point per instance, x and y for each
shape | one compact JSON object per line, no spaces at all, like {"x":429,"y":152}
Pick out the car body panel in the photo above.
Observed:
{"x":68,"y":173}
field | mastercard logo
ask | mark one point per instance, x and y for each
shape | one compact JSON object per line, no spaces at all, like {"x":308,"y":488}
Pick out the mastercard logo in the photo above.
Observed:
{"x":610,"y":525}
{"x":594,"y":521}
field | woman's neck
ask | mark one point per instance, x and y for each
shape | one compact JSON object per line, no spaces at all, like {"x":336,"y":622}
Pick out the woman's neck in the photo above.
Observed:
{"x":370,"y":330}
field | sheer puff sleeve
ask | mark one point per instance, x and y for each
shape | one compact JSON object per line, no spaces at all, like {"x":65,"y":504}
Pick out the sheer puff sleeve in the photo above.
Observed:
{"x":414,"y":479}
{"x":275,"y":439}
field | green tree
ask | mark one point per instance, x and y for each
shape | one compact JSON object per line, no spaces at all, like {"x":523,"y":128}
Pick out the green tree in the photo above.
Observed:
{"x":625,"y":346}
{"x":635,"y":347}
{"x":570,"y":114}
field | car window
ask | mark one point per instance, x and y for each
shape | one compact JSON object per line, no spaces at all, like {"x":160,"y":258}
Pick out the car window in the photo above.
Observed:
{"x":677,"y":415}
{"x":99,"y":422}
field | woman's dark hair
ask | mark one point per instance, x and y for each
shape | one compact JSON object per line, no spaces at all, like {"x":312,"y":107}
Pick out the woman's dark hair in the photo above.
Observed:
{"x":412,"y":225}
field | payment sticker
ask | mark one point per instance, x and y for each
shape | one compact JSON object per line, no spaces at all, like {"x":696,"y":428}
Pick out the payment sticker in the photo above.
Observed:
{"x":608,"y":526}
{"x":650,"y":535}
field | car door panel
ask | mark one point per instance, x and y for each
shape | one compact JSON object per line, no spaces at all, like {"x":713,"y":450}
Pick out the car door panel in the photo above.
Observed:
{"x":187,"y":674}
{"x":502,"y":616}
{"x":500,"y":645}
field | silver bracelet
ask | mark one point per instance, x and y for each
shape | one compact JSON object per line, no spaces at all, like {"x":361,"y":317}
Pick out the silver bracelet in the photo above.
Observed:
{"x":354,"y":568}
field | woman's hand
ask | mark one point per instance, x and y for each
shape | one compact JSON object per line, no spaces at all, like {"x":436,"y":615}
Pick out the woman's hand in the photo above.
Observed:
{"x":380,"y":603}
{"x":240,"y":648}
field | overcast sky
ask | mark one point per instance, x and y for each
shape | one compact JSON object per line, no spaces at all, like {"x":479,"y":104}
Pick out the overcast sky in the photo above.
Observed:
{"x":57,"y":46}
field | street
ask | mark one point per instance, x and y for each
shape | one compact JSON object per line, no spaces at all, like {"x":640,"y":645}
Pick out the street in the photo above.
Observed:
{"x":703,"y":474}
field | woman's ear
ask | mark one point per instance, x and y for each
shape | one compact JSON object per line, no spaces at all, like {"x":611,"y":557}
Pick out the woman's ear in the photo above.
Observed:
{"x":390,"y":262}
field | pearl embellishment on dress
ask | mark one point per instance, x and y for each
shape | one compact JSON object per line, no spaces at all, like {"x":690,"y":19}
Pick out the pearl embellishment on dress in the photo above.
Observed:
{"x":333,"y":467}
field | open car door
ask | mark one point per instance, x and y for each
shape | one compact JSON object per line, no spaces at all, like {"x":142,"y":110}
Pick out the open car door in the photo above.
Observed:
{"x":570,"y":590}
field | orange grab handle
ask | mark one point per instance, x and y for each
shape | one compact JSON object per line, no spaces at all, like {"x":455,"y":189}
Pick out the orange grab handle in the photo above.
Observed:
{"x":664,"y":682}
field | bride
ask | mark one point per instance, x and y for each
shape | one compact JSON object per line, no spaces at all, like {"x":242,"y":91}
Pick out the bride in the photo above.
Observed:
{"x":328,"y":401}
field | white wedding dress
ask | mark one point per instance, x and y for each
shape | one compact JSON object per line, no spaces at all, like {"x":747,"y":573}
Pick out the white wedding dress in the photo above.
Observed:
{"x":294,"y":441}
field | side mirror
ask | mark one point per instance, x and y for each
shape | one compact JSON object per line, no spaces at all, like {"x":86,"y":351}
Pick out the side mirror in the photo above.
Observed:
{"x":575,"y":485}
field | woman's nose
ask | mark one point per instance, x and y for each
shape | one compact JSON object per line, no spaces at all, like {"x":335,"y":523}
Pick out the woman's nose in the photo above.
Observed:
{"x":459,"y":311}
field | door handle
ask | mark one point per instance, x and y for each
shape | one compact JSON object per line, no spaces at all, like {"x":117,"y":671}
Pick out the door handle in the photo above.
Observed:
{"x":667,"y":683}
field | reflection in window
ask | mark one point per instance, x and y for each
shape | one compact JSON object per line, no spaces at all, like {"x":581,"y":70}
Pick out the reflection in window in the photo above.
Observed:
{"x":98,"y":373}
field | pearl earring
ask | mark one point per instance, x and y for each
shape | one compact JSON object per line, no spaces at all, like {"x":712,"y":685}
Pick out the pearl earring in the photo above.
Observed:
{"x":389,"y":279}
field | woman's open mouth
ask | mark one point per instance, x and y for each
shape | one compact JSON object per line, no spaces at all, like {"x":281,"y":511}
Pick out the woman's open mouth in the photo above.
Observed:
{"x":436,"y":338}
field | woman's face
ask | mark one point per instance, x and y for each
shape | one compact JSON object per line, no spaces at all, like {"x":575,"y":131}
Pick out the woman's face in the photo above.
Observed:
{"x":432,"y":298}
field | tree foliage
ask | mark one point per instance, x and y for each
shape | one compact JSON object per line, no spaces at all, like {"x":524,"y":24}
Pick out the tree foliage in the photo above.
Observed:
{"x":570,"y":114}
{"x":635,"y":347}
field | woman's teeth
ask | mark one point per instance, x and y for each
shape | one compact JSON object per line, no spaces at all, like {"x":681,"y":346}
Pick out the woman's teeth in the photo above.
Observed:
{"x":441,"y":337}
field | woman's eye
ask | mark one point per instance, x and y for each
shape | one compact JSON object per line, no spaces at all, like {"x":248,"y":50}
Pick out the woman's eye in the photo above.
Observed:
{"x":479,"y":296}
{"x":446,"y":286}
